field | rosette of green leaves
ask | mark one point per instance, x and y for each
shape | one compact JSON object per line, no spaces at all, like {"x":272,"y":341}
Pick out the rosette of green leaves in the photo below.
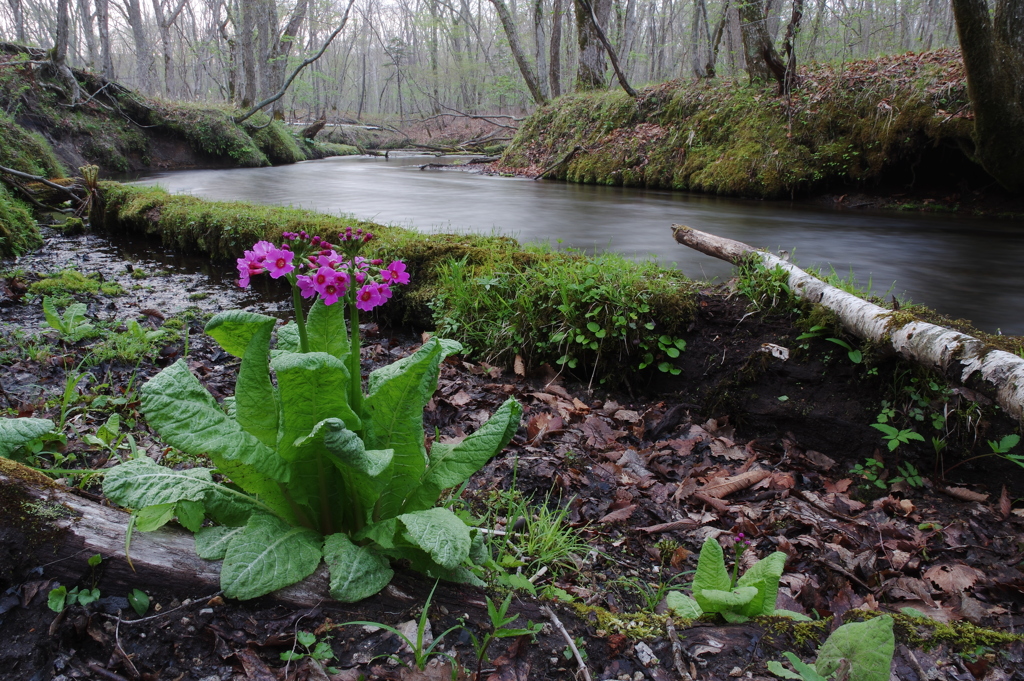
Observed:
{"x":753,"y":594}
{"x":310,"y":479}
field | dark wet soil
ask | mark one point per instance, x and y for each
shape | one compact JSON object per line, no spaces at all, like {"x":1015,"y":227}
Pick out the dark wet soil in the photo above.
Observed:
{"x":636,"y":472}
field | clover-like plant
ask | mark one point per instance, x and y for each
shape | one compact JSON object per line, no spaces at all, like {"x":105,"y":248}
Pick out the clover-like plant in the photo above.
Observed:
{"x":317,"y":469}
{"x":863,"y":649}
{"x":715,"y":590}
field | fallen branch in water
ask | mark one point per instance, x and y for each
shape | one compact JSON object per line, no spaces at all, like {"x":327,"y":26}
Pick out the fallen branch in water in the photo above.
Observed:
{"x":956,"y":355}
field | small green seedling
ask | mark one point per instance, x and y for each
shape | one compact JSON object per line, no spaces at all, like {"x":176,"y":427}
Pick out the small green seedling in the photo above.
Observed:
{"x":72,"y":324}
{"x":147,"y":336}
{"x":567,"y":653}
{"x":61,"y":598}
{"x":908,"y":474}
{"x":855,"y":355}
{"x":499,"y":629}
{"x":896,"y":437}
{"x":870,"y":470}
{"x":859,"y":651}
{"x":312,"y":648}
{"x":139,"y":601}
{"x":1004,"y":445}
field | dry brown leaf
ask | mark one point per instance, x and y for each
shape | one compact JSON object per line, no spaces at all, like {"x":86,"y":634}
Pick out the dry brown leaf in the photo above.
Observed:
{"x":543,"y":425}
{"x":736,"y":483}
{"x":460,"y":399}
{"x":580,"y":406}
{"x":546,"y":398}
{"x":819,"y":460}
{"x":721,"y":446}
{"x":964,"y":494}
{"x":839,"y":486}
{"x":627,"y":415}
{"x":1004,"y":504}
{"x":519,"y":366}
{"x":556,"y":389}
{"x":953,"y":578}
{"x":619,"y":515}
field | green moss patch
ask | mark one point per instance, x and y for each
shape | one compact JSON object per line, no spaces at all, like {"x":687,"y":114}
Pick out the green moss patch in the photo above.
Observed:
{"x":843,"y":125}
{"x":18,"y":232}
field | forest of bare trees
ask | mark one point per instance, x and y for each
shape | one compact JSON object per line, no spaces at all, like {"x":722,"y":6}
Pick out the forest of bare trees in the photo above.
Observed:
{"x":420,"y":58}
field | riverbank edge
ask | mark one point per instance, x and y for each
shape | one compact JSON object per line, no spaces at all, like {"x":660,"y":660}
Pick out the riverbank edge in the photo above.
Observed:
{"x":893,"y":128}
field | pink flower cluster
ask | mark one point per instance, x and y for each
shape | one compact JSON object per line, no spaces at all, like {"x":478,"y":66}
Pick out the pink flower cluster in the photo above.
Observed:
{"x":316,"y":268}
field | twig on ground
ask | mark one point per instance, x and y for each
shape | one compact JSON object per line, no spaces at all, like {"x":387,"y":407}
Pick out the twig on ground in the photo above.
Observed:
{"x":132,"y":671}
{"x":677,"y":652}
{"x":189,"y":604}
{"x":908,"y":654}
{"x":105,"y":673}
{"x":568,"y":639}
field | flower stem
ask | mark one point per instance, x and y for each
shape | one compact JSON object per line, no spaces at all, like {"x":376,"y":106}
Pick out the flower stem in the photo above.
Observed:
{"x":355,"y":397}
{"x":300,"y":321}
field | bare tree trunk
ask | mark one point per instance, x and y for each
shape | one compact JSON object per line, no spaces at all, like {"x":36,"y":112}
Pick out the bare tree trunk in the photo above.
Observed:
{"x":60,"y":50}
{"x":164,"y":22}
{"x":517,"y":51}
{"x":103,"y":28}
{"x":86,"y":17}
{"x":143,"y":57}
{"x":19,"y":20}
{"x":792,"y":29}
{"x":993,"y":50}
{"x":590,"y":72}
{"x":555,"y":52}
{"x":608,"y":48}
{"x":281,"y":48}
{"x":247,"y":90}
{"x":716,"y":42}
{"x":763,"y":61}
{"x":701,"y":40}
{"x":539,"y":43}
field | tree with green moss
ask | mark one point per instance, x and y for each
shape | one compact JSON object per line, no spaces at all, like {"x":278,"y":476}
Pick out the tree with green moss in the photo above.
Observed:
{"x":993,"y":47}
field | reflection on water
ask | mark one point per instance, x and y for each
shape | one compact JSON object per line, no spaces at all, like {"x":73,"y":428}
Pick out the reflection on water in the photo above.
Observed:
{"x":962,"y":266}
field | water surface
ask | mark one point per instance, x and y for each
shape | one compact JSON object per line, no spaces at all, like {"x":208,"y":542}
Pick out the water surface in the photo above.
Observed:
{"x":962,"y":266}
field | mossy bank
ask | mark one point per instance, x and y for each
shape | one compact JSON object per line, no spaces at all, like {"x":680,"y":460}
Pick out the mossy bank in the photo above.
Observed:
{"x":893,"y":119}
{"x":499,"y":298}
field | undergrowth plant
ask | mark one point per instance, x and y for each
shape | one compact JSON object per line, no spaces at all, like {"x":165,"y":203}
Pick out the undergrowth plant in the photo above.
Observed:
{"x":318,"y":468}
{"x":858,"y":651}
{"x":736,"y":598}
{"x":575,"y":312}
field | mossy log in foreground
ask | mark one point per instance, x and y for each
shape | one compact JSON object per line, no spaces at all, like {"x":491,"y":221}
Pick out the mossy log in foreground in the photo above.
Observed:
{"x":849,"y":125}
{"x":492,"y":294}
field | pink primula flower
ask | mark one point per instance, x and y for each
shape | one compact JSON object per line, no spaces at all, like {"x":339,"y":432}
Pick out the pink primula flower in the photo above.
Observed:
{"x":306,"y":286}
{"x":248,"y":266}
{"x":368,"y":297}
{"x":385,"y":293}
{"x":279,"y":262}
{"x":395,"y":273}
{"x":332,"y":291}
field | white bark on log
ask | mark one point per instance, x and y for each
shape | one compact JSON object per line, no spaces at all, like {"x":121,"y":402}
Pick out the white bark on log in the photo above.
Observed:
{"x":956,"y":355}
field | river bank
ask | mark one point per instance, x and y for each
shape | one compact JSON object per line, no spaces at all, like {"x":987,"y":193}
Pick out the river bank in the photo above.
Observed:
{"x":891,"y":130}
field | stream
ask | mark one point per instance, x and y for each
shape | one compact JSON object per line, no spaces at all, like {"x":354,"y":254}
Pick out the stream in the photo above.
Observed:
{"x":962,"y":266}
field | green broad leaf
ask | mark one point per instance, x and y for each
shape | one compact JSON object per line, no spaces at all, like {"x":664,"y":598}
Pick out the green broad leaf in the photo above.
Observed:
{"x":381,"y":533}
{"x":451,"y":465}
{"x":57,"y":598}
{"x":306,"y":638}
{"x":187,"y":417}
{"x":139,"y":601}
{"x":795,"y":616}
{"x":52,"y":316}
{"x":734,"y":600}
{"x":479,"y":553}
{"x":775,"y":667}
{"x":325,"y":329}
{"x":804,"y":670}
{"x":141,"y":483}
{"x":440,"y":533}
{"x":421,"y":561}
{"x":868,"y":647}
{"x":212,"y":542}
{"x":346,"y":448}
{"x":154,"y":517}
{"x":87,"y":596}
{"x":313,"y":387}
{"x":764,"y":576}
{"x":394,"y":409}
{"x":888,"y":430}
{"x":234,"y":330}
{"x":711,"y":573}
{"x":17,"y":432}
{"x":247,"y":335}
{"x":682,"y":605}
{"x":288,"y":337}
{"x":190,"y":514}
{"x":357,"y":572}
{"x":360,"y":468}
{"x":268,"y":555}
{"x":322,"y":651}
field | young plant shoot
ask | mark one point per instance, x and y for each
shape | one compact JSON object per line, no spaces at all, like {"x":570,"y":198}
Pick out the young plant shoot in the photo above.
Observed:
{"x":318,"y":468}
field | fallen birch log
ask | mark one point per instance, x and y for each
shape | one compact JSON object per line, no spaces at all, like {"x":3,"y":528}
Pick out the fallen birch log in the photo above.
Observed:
{"x":960,"y":357}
